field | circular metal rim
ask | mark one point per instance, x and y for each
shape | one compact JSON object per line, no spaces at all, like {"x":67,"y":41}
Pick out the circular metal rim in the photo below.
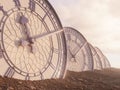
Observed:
{"x":80,"y":36}
{"x":96,"y":54}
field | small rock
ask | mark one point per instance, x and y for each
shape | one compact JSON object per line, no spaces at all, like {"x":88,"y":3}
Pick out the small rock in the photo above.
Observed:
{"x":0,"y":88}
{"x":10,"y":88}
{"x":80,"y":79}
{"x":33,"y":88}
{"x":20,"y":82}
{"x":66,"y":86}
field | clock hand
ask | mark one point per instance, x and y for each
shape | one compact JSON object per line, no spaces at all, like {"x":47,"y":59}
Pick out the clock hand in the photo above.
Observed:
{"x":46,"y":34}
{"x":23,"y":22}
{"x":72,"y":56}
{"x":77,"y":49}
{"x":41,"y":36}
{"x":26,"y":41}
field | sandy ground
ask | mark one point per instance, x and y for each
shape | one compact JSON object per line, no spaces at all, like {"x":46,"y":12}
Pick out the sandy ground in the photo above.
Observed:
{"x":107,"y":79}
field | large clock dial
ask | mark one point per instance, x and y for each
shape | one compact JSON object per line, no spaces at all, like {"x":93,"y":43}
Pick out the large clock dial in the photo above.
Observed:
{"x":79,"y":56}
{"x":32,"y":40}
{"x":104,"y":60}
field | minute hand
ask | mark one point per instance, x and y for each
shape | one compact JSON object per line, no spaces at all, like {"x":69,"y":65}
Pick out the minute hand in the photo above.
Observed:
{"x":46,"y":34}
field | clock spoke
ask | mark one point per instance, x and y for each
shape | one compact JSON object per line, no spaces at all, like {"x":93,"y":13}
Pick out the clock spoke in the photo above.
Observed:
{"x":35,"y":23}
{"x":43,"y":51}
{"x":26,"y":66}
{"x":10,"y":72}
{"x":11,"y":50}
{"x":15,"y":20}
{"x":47,"y":42}
{"x":31,"y":67}
{"x":41,"y":54}
{"x":8,"y":44}
{"x":8,"y":37}
{"x":12,"y":26}
{"x":9,"y":30}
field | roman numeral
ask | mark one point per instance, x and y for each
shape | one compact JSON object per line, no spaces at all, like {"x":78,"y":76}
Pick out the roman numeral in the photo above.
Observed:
{"x":10,"y":72}
{"x":41,"y":76}
{"x":27,"y":77}
{"x":17,"y":3}
{"x":32,"y":5}
{"x":3,"y":11}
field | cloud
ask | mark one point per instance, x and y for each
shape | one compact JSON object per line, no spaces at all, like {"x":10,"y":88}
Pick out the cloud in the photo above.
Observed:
{"x":97,"y":20}
{"x":114,"y":6}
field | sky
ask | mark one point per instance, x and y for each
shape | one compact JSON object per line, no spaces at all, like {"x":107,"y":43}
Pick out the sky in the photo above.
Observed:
{"x":97,"y":20}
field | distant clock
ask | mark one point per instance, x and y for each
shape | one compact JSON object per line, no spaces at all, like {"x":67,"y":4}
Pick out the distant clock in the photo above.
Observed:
{"x":96,"y":58}
{"x":79,"y":55}
{"x":32,"y":40}
{"x":105,"y":62}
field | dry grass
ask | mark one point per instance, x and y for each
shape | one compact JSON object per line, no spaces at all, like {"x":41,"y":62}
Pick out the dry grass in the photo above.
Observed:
{"x":107,"y":79}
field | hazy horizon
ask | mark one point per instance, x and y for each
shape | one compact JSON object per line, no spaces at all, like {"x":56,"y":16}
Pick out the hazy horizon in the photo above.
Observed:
{"x":97,"y":20}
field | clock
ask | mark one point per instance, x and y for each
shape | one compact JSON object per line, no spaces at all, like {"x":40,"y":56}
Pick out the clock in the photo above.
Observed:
{"x":32,"y":40}
{"x":79,"y":55}
{"x":96,"y":58}
{"x":104,"y":60}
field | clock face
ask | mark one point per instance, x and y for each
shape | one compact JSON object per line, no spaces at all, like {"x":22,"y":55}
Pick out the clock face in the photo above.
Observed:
{"x":104,"y":60}
{"x":27,"y":48}
{"x":79,"y":56}
{"x":96,"y":58}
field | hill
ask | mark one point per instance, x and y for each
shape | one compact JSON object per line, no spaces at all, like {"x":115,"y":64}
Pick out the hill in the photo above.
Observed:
{"x":107,"y":79}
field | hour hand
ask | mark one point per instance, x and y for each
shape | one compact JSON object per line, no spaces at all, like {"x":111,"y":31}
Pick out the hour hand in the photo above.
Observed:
{"x":23,"y":20}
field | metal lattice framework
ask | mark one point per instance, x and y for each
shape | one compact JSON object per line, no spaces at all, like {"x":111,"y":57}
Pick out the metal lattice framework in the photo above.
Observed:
{"x":104,"y":60}
{"x":79,"y":56}
{"x":29,"y":46}
{"x":96,"y":58}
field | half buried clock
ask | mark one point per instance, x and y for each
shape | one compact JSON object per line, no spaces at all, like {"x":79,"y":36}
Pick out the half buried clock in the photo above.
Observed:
{"x":96,"y":58}
{"x":32,"y":40}
{"x":79,"y":55}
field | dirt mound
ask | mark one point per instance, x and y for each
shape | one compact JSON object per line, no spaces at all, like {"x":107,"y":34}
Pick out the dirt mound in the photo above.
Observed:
{"x":107,"y":79}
